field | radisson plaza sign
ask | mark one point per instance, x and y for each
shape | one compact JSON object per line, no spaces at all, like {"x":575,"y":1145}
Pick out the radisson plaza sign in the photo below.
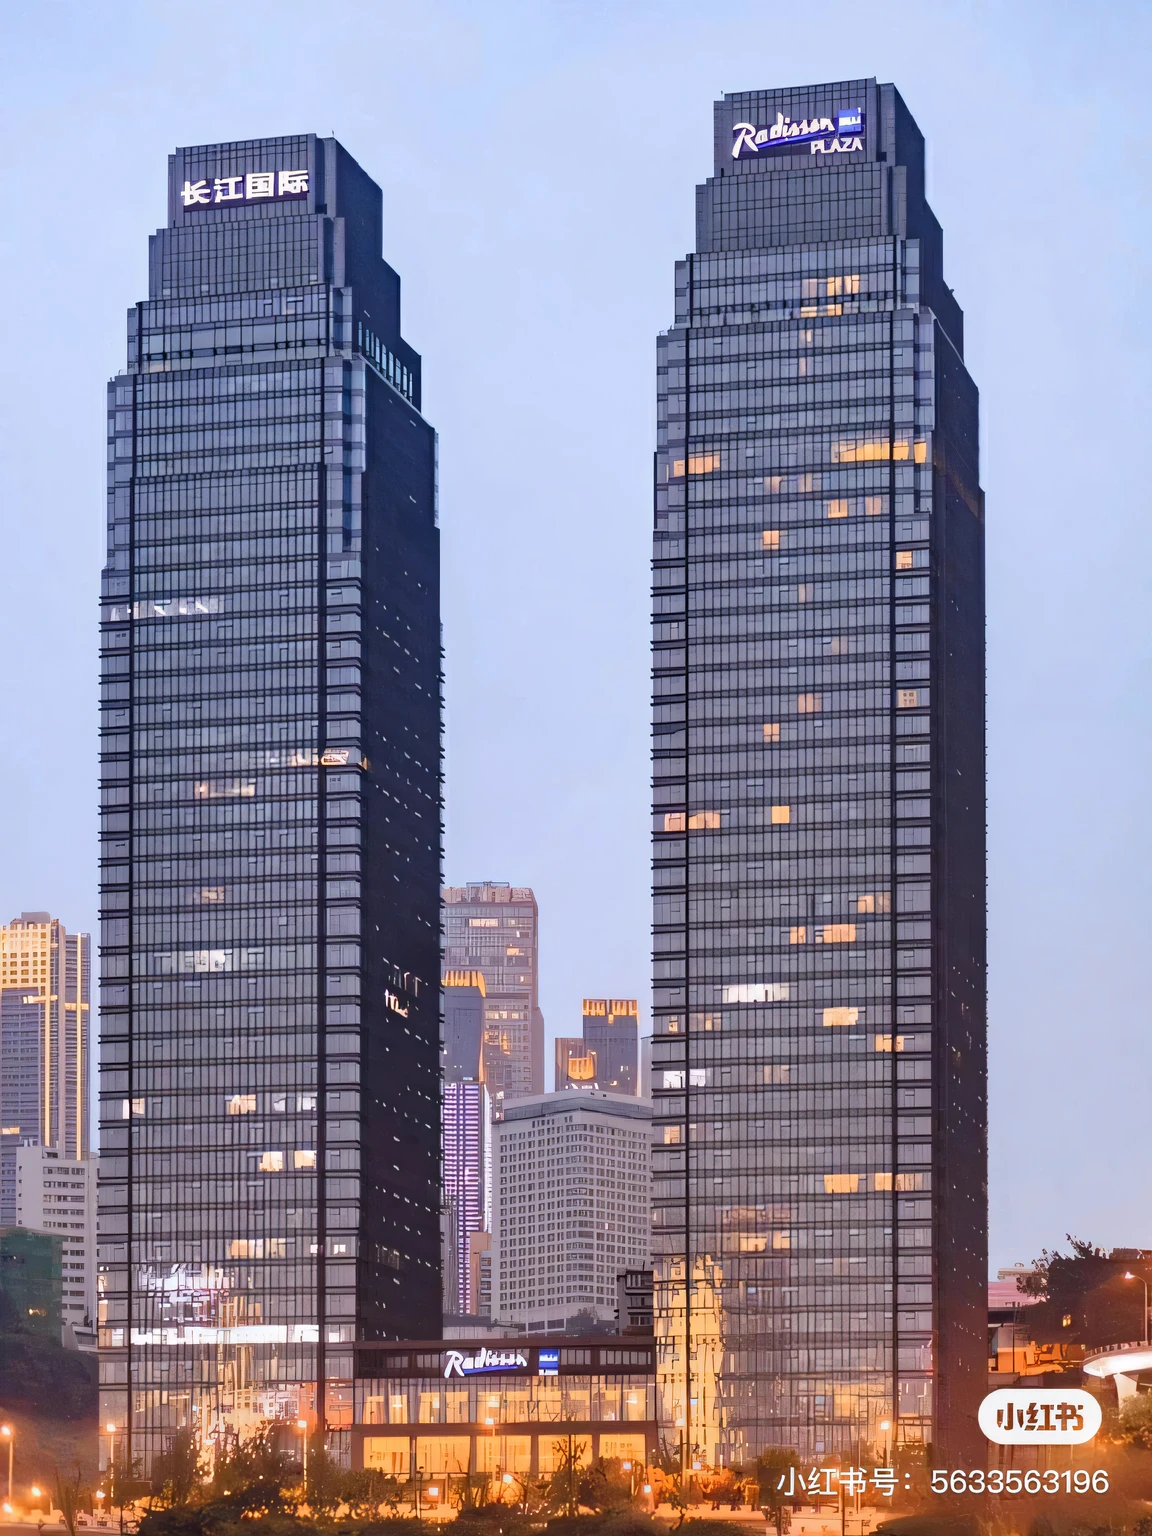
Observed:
{"x":836,"y":135}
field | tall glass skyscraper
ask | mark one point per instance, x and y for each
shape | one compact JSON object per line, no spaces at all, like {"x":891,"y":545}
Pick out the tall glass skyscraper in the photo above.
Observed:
{"x":270,"y":810}
{"x":819,"y":968}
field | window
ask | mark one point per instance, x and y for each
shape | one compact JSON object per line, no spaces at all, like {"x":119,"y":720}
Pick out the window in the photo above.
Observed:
{"x":773,"y":483}
{"x":808,"y":704}
{"x":672,"y":1135}
{"x":304,"y":1157}
{"x":884,"y":1043}
{"x":777,"y":1072}
{"x":804,"y":592}
{"x":770,"y":538}
{"x":675,"y":821}
{"x":836,"y":933}
{"x":483,"y":922}
{"x":873,"y":901}
{"x":755,"y":992}
{"x":242,"y":1104}
{"x":271,"y":1162}
{"x":840,"y":1018}
{"x":673,"y":1079}
{"x":798,"y":935}
{"x":781,"y":815}
{"x":771,"y":731}
{"x":837,"y":509}
{"x":907,"y":698}
{"x":903,"y":559}
{"x":703,"y":463}
{"x":873,"y":506}
{"x":708,"y":820}
{"x":841,"y":1183}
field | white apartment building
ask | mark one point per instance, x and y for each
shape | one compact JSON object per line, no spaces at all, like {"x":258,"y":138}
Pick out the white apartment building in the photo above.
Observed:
{"x":572,"y":1204}
{"x":57,"y":1194}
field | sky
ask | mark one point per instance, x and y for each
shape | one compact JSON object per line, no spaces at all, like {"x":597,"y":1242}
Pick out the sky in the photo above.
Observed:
{"x":538,"y":162}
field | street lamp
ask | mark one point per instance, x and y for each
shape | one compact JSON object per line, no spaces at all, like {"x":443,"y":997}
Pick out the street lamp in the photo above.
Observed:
{"x":1128,"y":1276}
{"x":302,"y":1426}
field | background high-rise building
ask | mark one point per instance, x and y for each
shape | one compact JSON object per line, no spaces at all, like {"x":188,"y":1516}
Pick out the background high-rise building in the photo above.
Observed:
{"x":819,"y":1045}
{"x":493,"y":928}
{"x":463,"y":1026}
{"x":270,"y":1179}
{"x":611,"y":1034}
{"x":575,"y":1063}
{"x":57,"y":1195}
{"x":467,"y":1181}
{"x":607,"y":1054}
{"x":45,"y":1080}
{"x":571,"y":1205}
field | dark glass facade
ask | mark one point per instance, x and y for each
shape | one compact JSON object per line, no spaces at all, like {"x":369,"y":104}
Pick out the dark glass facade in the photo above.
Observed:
{"x":270,"y":872}
{"x":819,"y":920}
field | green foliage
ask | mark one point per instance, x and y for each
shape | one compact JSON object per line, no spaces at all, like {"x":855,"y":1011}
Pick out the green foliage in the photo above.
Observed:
{"x":1082,"y":1297}
{"x":177,"y":1473}
{"x":41,"y":1378}
{"x":1134,"y":1425}
{"x":605,"y":1485}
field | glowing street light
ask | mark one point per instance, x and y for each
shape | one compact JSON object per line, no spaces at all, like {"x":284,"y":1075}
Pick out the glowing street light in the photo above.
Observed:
{"x":302,"y":1426}
{"x":1129,"y":1275}
{"x":6,"y":1432}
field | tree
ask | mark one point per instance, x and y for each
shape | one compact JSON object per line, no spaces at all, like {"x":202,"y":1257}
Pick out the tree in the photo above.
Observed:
{"x":605,"y":1485}
{"x":1083,"y":1298}
{"x":178,"y":1472}
{"x":771,"y":1471}
{"x":1134,"y":1424}
{"x":69,"y":1496}
{"x":563,"y":1489}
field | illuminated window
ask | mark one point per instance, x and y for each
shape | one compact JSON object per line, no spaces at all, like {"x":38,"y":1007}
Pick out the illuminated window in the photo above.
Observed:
{"x":874,"y":901}
{"x":675,"y":821}
{"x":673,"y":1079}
{"x":271,"y":1162}
{"x":781,"y":1240}
{"x":805,"y":483}
{"x":242,"y":1104}
{"x":873,"y":506}
{"x":708,"y":820}
{"x":483,"y":922}
{"x":703,"y":463}
{"x":672,"y":1135}
{"x":797,"y":935}
{"x":903,"y":559}
{"x":781,"y":815}
{"x":221,"y":789}
{"x":210,"y":894}
{"x":773,"y":483}
{"x":884,"y":1043}
{"x":778,"y":1072}
{"x":804,"y":592}
{"x":246,"y":1248}
{"x":840,"y":1018}
{"x":808,"y":704}
{"x":772,"y":731}
{"x":907,"y":698}
{"x":770,"y":538}
{"x":837,"y":933}
{"x":841,"y":1183}
{"x":837,"y":509}
{"x":303,"y":1157}
{"x":132,"y":1107}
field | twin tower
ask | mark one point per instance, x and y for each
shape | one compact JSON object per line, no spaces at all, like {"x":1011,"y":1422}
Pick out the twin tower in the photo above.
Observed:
{"x":270,"y":1095}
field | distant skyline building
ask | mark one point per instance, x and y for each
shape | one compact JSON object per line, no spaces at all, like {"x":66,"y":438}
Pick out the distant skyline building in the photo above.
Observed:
{"x":611,"y":1033}
{"x":494,"y":928}
{"x":45,"y":1047}
{"x":607,"y":1053}
{"x":464,"y":993}
{"x":467,"y":1181}
{"x":57,"y":1195}
{"x":570,"y":1207}
{"x":819,"y":1064}
{"x":270,"y":802}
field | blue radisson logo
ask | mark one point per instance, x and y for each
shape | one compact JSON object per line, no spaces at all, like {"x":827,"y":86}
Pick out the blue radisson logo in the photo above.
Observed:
{"x":837,"y":135}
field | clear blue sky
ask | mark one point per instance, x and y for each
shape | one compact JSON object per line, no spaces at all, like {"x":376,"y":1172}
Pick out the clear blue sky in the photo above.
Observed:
{"x":538,"y":163}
